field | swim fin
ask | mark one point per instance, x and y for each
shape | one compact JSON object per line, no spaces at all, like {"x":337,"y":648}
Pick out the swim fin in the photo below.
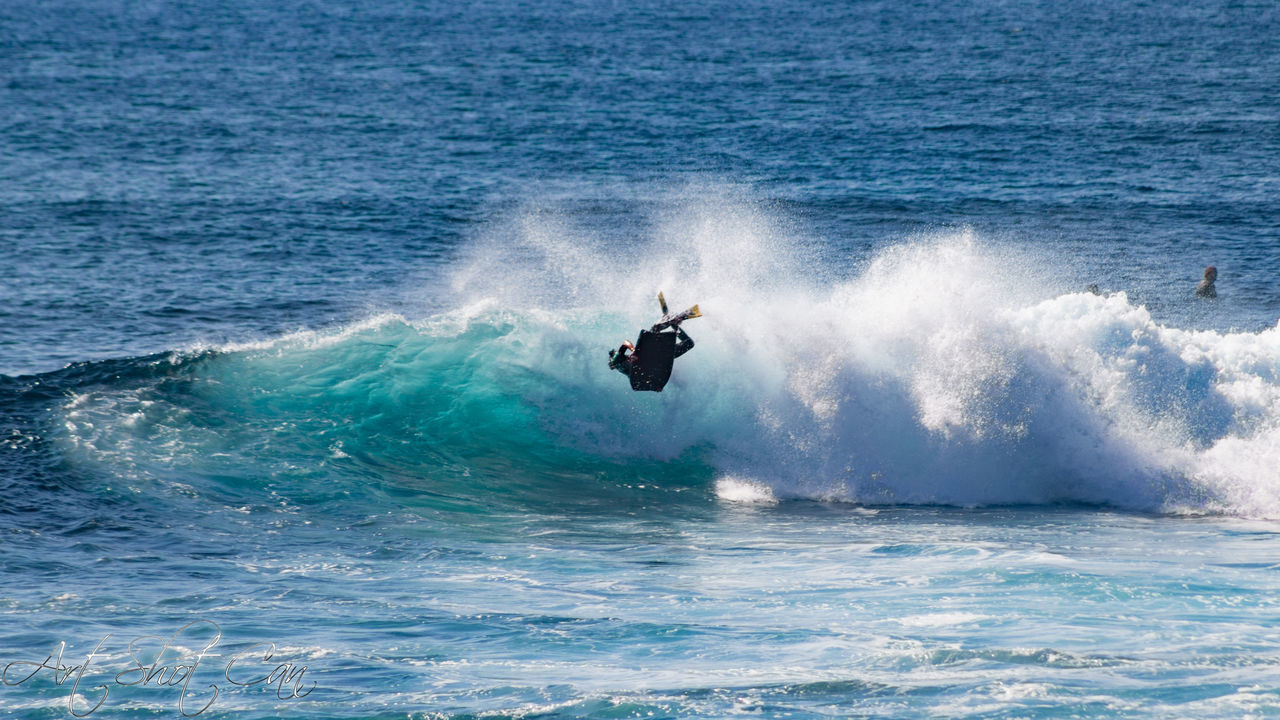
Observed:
{"x":670,"y":320}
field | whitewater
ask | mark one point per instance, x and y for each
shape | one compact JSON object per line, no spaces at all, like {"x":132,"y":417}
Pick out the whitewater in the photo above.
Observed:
{"x":940,"y":371}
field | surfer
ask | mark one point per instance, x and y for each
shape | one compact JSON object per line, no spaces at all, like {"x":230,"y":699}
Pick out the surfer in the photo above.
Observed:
{"x":649,"y":368}
{"x":1205,"y":289}
{"x":647,"y":361}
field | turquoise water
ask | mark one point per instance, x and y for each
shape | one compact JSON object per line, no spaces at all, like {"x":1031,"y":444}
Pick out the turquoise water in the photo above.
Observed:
{"x":303,"y":385}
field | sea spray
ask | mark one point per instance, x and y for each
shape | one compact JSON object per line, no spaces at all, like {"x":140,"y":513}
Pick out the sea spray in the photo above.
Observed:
{"x":942,"y":370}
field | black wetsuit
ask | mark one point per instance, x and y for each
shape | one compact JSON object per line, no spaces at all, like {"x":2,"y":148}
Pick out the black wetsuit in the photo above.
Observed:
{"x":645,"y":377}
{"x":684,"y":343}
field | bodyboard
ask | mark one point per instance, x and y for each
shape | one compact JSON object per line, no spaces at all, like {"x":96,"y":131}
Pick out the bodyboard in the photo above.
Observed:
{"x":655,"y":353}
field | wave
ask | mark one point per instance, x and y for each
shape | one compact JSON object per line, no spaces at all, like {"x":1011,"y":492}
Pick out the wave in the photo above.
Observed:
{"x":939,"y":371}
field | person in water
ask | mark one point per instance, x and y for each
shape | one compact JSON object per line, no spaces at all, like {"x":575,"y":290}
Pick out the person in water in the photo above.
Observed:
{"x":624,"y":358}
{"x":1205,"y":289}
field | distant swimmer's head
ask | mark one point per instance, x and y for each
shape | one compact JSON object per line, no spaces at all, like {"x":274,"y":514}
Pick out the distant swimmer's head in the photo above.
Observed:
{"x":1206,"y":289}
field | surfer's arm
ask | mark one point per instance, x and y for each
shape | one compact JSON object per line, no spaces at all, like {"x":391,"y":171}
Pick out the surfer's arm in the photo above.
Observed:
{"x":618,"y":360}
{"x":684,"y":343}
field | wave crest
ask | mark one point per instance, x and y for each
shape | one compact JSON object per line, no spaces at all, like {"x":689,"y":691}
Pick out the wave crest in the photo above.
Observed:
{"x":942,"y":371}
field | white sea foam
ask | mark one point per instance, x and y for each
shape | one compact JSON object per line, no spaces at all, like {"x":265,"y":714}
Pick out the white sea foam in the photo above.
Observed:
{"x":943,"y":369}
{"x":747,"y":492}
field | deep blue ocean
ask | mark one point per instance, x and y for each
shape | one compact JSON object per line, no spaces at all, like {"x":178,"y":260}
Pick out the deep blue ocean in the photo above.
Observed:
{"x":304,"y":402}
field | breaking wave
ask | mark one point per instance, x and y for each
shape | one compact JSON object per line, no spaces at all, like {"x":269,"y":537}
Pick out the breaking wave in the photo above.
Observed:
{"x":942,"y":370}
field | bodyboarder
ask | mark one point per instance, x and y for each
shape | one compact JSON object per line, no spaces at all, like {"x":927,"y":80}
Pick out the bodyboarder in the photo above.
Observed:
{"x":647,"y":362}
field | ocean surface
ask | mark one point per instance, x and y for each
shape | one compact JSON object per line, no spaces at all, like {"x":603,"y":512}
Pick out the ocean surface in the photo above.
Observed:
{"x":304,"y":405}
